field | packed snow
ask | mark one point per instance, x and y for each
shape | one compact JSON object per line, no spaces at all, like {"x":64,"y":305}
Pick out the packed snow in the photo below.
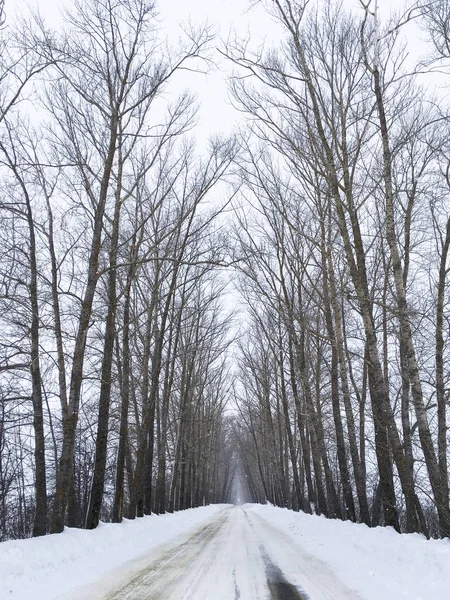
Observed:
{"x":379,"y":563}
{"x":48,"y":567}
{"x":222,"y":552}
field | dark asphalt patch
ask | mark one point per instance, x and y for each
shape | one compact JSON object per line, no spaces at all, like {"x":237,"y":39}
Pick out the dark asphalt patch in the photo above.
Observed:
{"x":281,"y":590}
{"x":237,"y":591}
{"x":279,"y":586}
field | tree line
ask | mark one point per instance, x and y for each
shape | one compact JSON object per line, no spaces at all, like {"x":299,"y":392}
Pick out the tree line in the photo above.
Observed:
{"x":113,"y":344}
{"x":344,"y":238}
{"x":118,"y":355}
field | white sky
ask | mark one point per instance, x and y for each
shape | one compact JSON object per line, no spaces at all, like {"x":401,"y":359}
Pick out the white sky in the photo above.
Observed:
{"x":216,"y":114}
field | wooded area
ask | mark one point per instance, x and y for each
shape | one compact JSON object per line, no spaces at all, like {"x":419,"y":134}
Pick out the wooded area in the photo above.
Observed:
{"x":113,"y":347}
{"x":125,"y":385}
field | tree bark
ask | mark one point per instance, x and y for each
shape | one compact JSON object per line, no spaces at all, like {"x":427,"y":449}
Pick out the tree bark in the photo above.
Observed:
{"x":71,"y":419}
{"x":438,"y":483}
{"x":101,"y":442}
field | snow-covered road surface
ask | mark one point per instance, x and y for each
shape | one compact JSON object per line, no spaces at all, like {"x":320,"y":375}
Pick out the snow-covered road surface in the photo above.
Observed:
{"x":236,"y":555}
{"x":224,"y":552}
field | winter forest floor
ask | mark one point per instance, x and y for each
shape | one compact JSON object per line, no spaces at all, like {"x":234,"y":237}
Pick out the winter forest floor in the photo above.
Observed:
{"x":224,"y":552}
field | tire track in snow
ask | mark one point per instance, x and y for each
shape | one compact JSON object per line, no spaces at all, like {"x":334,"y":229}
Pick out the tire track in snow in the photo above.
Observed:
{"x":154,"y":581}
{"x":312,"y":578}
{"x":237,"y":556}
{"x":280,"y":588}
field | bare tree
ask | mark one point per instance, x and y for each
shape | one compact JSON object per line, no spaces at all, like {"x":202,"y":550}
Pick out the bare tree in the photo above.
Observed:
{"x":316,"y":113}
{"x":114,"y":110}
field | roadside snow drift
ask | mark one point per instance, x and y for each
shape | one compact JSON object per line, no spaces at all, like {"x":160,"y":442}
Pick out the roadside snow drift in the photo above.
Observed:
{"x":309,"y":551}
{"x":48,"y":567}
{"x":379,"y":563}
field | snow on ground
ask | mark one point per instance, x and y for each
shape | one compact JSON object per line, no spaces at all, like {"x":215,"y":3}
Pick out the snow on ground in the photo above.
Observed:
{"x":222,"y":553}
{"x":48,"y":567}
{"x":379,"y":563}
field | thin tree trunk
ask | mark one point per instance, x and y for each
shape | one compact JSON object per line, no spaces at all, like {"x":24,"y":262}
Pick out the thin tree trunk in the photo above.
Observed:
{"x":101,"y":442}
{"x":340,"y":441}
{"x":71,"y":419}
{"x":440,"y":386}
{"x":360,"y":482}
{"x":317,"y":500}
{"x":40,"y":520}
{"x":40,"y":483}
{"x":119,"y":490}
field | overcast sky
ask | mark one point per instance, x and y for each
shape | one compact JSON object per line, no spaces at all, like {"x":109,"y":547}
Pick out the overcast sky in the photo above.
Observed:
{"x":216,"y":113}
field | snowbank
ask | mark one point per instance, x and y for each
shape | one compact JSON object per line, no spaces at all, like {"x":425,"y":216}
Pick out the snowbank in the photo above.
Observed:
{"x":48,"y":567}
{"x":379,"y":563}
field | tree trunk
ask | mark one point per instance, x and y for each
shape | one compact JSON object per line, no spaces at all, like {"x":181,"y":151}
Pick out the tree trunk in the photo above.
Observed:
{"x":40,"y":521}
{"x":440,"y":386}
{"x":340,"y":441}
{"x":76,"y":380}
{"x":101,"y":442}
{"x":125,"y":396}
{"x":438,"y":483}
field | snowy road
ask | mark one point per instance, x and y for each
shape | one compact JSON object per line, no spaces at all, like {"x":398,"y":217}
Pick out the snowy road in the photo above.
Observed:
{"x":237,"y":555}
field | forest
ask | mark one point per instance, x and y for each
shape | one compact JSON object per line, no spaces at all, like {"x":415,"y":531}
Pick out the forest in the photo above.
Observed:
{"x":262,"y":317}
